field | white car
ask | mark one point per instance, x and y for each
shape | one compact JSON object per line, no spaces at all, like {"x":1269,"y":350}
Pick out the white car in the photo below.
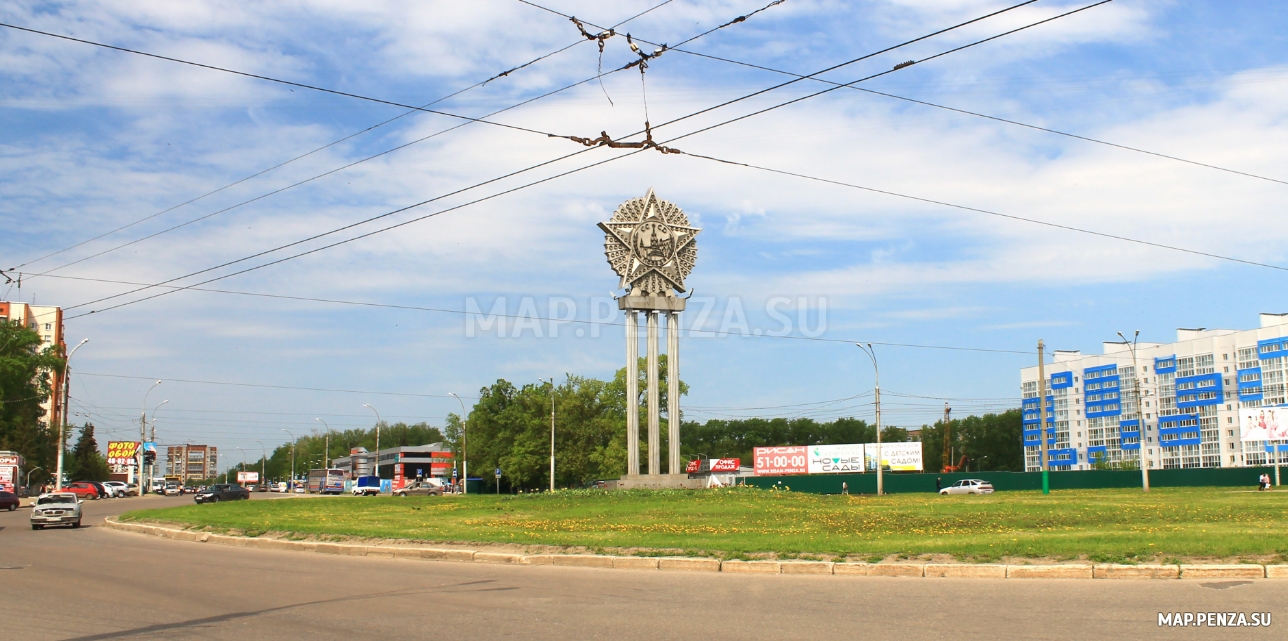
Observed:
{"x":969,"y":486}
{"x":117,"y":488}
{"x":57,"y":508}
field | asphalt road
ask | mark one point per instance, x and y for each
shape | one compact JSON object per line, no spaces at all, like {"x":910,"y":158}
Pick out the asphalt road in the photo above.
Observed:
{"x":95,"y":583}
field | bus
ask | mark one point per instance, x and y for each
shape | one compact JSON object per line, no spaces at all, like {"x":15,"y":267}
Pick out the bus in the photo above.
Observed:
{"x":328,"y":481}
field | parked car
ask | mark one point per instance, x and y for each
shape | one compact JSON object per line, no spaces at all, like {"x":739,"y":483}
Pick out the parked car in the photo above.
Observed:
{"x":217,"y":493}
{"x":262,"y":487}
{"x":8,"y":501}
{"x":82,"y":490}
{"x":119,"y":488}
{"x":58,"y":508}
{"x":969,"y":486}
{"x":427,"y":487}
{"x":172,"y":489}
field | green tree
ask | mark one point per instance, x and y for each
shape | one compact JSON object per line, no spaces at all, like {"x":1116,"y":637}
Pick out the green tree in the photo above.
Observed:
{"x":26,"y":379}
{"x":86,"y":463}
{"x":990,"y":442}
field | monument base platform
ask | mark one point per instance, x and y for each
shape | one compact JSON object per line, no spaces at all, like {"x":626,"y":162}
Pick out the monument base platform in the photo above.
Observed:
{"x":657,"y":482}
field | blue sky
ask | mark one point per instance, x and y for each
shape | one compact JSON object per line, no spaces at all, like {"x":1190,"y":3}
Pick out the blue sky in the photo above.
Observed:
{"x":96,"y":139}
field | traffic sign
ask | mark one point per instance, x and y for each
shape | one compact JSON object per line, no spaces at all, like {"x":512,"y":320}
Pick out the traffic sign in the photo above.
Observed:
{"x":498,"y":472}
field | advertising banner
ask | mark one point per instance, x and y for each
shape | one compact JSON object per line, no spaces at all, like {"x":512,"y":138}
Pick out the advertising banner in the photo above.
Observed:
{"x":725,"y":464}
{"x":775,"y":461}
{"x":1263,"y":423}
{"x":836,"y":459}
{"x":121,"y":452}
{"x":248,"y":477}
{"x":898,"y":457}
{"x":7,"y":481}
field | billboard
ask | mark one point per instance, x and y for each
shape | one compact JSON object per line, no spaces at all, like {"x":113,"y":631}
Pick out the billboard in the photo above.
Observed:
{"x":122,"y":452}
{"x":1263,"y":423}
{"x":835,"y":459}
{"x":899,"y":457}
{"x":248,"y":477}
{"x":7,"y":480}
{"x":776,"y":461}
{"x":700,"y":466}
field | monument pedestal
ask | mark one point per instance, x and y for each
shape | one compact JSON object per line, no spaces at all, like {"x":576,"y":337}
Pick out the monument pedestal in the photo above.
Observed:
{"x":657,"y":482}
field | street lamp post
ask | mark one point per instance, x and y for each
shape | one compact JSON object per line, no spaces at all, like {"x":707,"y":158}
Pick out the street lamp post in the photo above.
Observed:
{"x":243,"y":465}
{"x":62,"y":425}
{"x":1140,"y":412}
{"x":376,"y":471}
{"x":877,"y":377}
{"x":152,"y":470}
{"x":326,"y":453}
{"x":29,"y":476}
{"x":552,"y":431}
{"x":465,"y":465}
{"x":291,"y":484}
{"x":143,"y":434}
{"x":263,"y":462}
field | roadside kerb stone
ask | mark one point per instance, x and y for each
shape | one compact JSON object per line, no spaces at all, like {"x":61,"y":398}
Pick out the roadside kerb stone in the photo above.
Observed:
{"x":806,"y":567}
{"x":1116,"y":571}
{"x":1277,"y":571}
{"x":966,"y":571}
{"x":851,"y":569}
{"x":583,"y":560}
{"x":1223,"y":572}
{"x":896,"y":569}
{"x":437,"y":554}
{"x":688,"y":565}
{"x":497,"y":557}
{"x":1063,"y":571}
{"x":751,"y":567}
{"x":634,"y":563}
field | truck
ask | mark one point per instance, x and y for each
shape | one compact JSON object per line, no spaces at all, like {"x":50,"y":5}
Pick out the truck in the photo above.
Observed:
{"x":328,"y":481}
{"x":367,"y":486}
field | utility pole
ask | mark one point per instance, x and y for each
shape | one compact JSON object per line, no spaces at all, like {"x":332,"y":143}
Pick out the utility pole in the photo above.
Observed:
{"x":290,"y":485}
{"x":143,"y":435}
{"x":1140,"y":412}
{"x":465,"y":465}
{"x":948,"y":430}
{"x":62,"y":425}
{"x":1042,"y":438}
{"x":376,"y":471}
{"x":877,"y":378}
{"x":326,"y":455}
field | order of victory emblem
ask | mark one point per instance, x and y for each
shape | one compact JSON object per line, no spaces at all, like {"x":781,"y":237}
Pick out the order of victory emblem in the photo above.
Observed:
{"x":651,"y":246}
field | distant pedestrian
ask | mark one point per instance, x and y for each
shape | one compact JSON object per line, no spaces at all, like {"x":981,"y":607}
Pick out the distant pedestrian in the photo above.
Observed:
{"x":939,"y":483}
{"x":1263,"y":482}
{"x":845,"y":488}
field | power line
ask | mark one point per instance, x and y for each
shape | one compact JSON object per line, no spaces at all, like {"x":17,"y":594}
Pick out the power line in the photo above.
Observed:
{"x":347,"y":166}
{"x":1034,"y":221}
{"x":724,"y":334}
{"x":306,"y":389}
{"x":941,"y":31}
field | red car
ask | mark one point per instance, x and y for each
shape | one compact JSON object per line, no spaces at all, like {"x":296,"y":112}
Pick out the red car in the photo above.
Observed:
{"x":83,"y":490}
{"x":8,"y":501}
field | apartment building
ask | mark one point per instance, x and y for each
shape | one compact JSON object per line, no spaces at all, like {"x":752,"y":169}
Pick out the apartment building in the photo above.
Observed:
{"x":48,"y":322}
{"x":192,"y":462}
{"x":1191,"y":394}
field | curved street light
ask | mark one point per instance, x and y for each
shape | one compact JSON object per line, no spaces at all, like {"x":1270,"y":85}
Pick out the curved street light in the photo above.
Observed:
{"x":143,"y":433}
{"x":376,"y":465}
{"x":291,"y":485}
{"x":263,"y":462}
{"x":1140,"y":411}
{"x":326,"y":453}
{"x":465,"y":465}
{"x":62,"y":425}
{"x":877,"y":374}
{"x":152,"y":471}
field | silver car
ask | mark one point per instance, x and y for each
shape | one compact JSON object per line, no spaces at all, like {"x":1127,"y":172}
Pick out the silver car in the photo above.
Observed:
{"x":969,"y":486}
{"x":58,"y":508}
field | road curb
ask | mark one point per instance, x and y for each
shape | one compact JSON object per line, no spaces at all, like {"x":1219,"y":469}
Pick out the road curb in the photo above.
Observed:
{"x":694,"y":564}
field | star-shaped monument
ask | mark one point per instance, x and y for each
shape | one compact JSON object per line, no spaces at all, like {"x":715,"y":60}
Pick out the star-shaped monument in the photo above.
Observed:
{"x":648,"y":236}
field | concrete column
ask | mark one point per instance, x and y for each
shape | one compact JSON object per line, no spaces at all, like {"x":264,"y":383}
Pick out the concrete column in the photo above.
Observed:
{"x":632,"y":393}
{"x":654,"y":398}
{"x":673,"y":391}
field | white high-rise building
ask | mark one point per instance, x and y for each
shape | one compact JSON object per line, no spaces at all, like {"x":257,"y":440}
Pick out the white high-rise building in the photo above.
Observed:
{"x":1191,"y":391}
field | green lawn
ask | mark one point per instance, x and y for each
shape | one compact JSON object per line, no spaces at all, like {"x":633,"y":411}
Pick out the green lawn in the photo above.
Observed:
{"x":1103,"y":525}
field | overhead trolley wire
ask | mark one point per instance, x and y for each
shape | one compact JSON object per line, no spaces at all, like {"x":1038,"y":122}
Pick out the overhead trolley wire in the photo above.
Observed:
{"x":887,"y":49}
{"x":328,"y":145}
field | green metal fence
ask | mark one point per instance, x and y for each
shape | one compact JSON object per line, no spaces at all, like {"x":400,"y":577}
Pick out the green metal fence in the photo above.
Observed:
{"x":901,"y":482}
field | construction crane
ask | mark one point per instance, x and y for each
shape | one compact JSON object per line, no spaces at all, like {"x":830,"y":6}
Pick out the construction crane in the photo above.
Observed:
{"x":948,"y":429}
